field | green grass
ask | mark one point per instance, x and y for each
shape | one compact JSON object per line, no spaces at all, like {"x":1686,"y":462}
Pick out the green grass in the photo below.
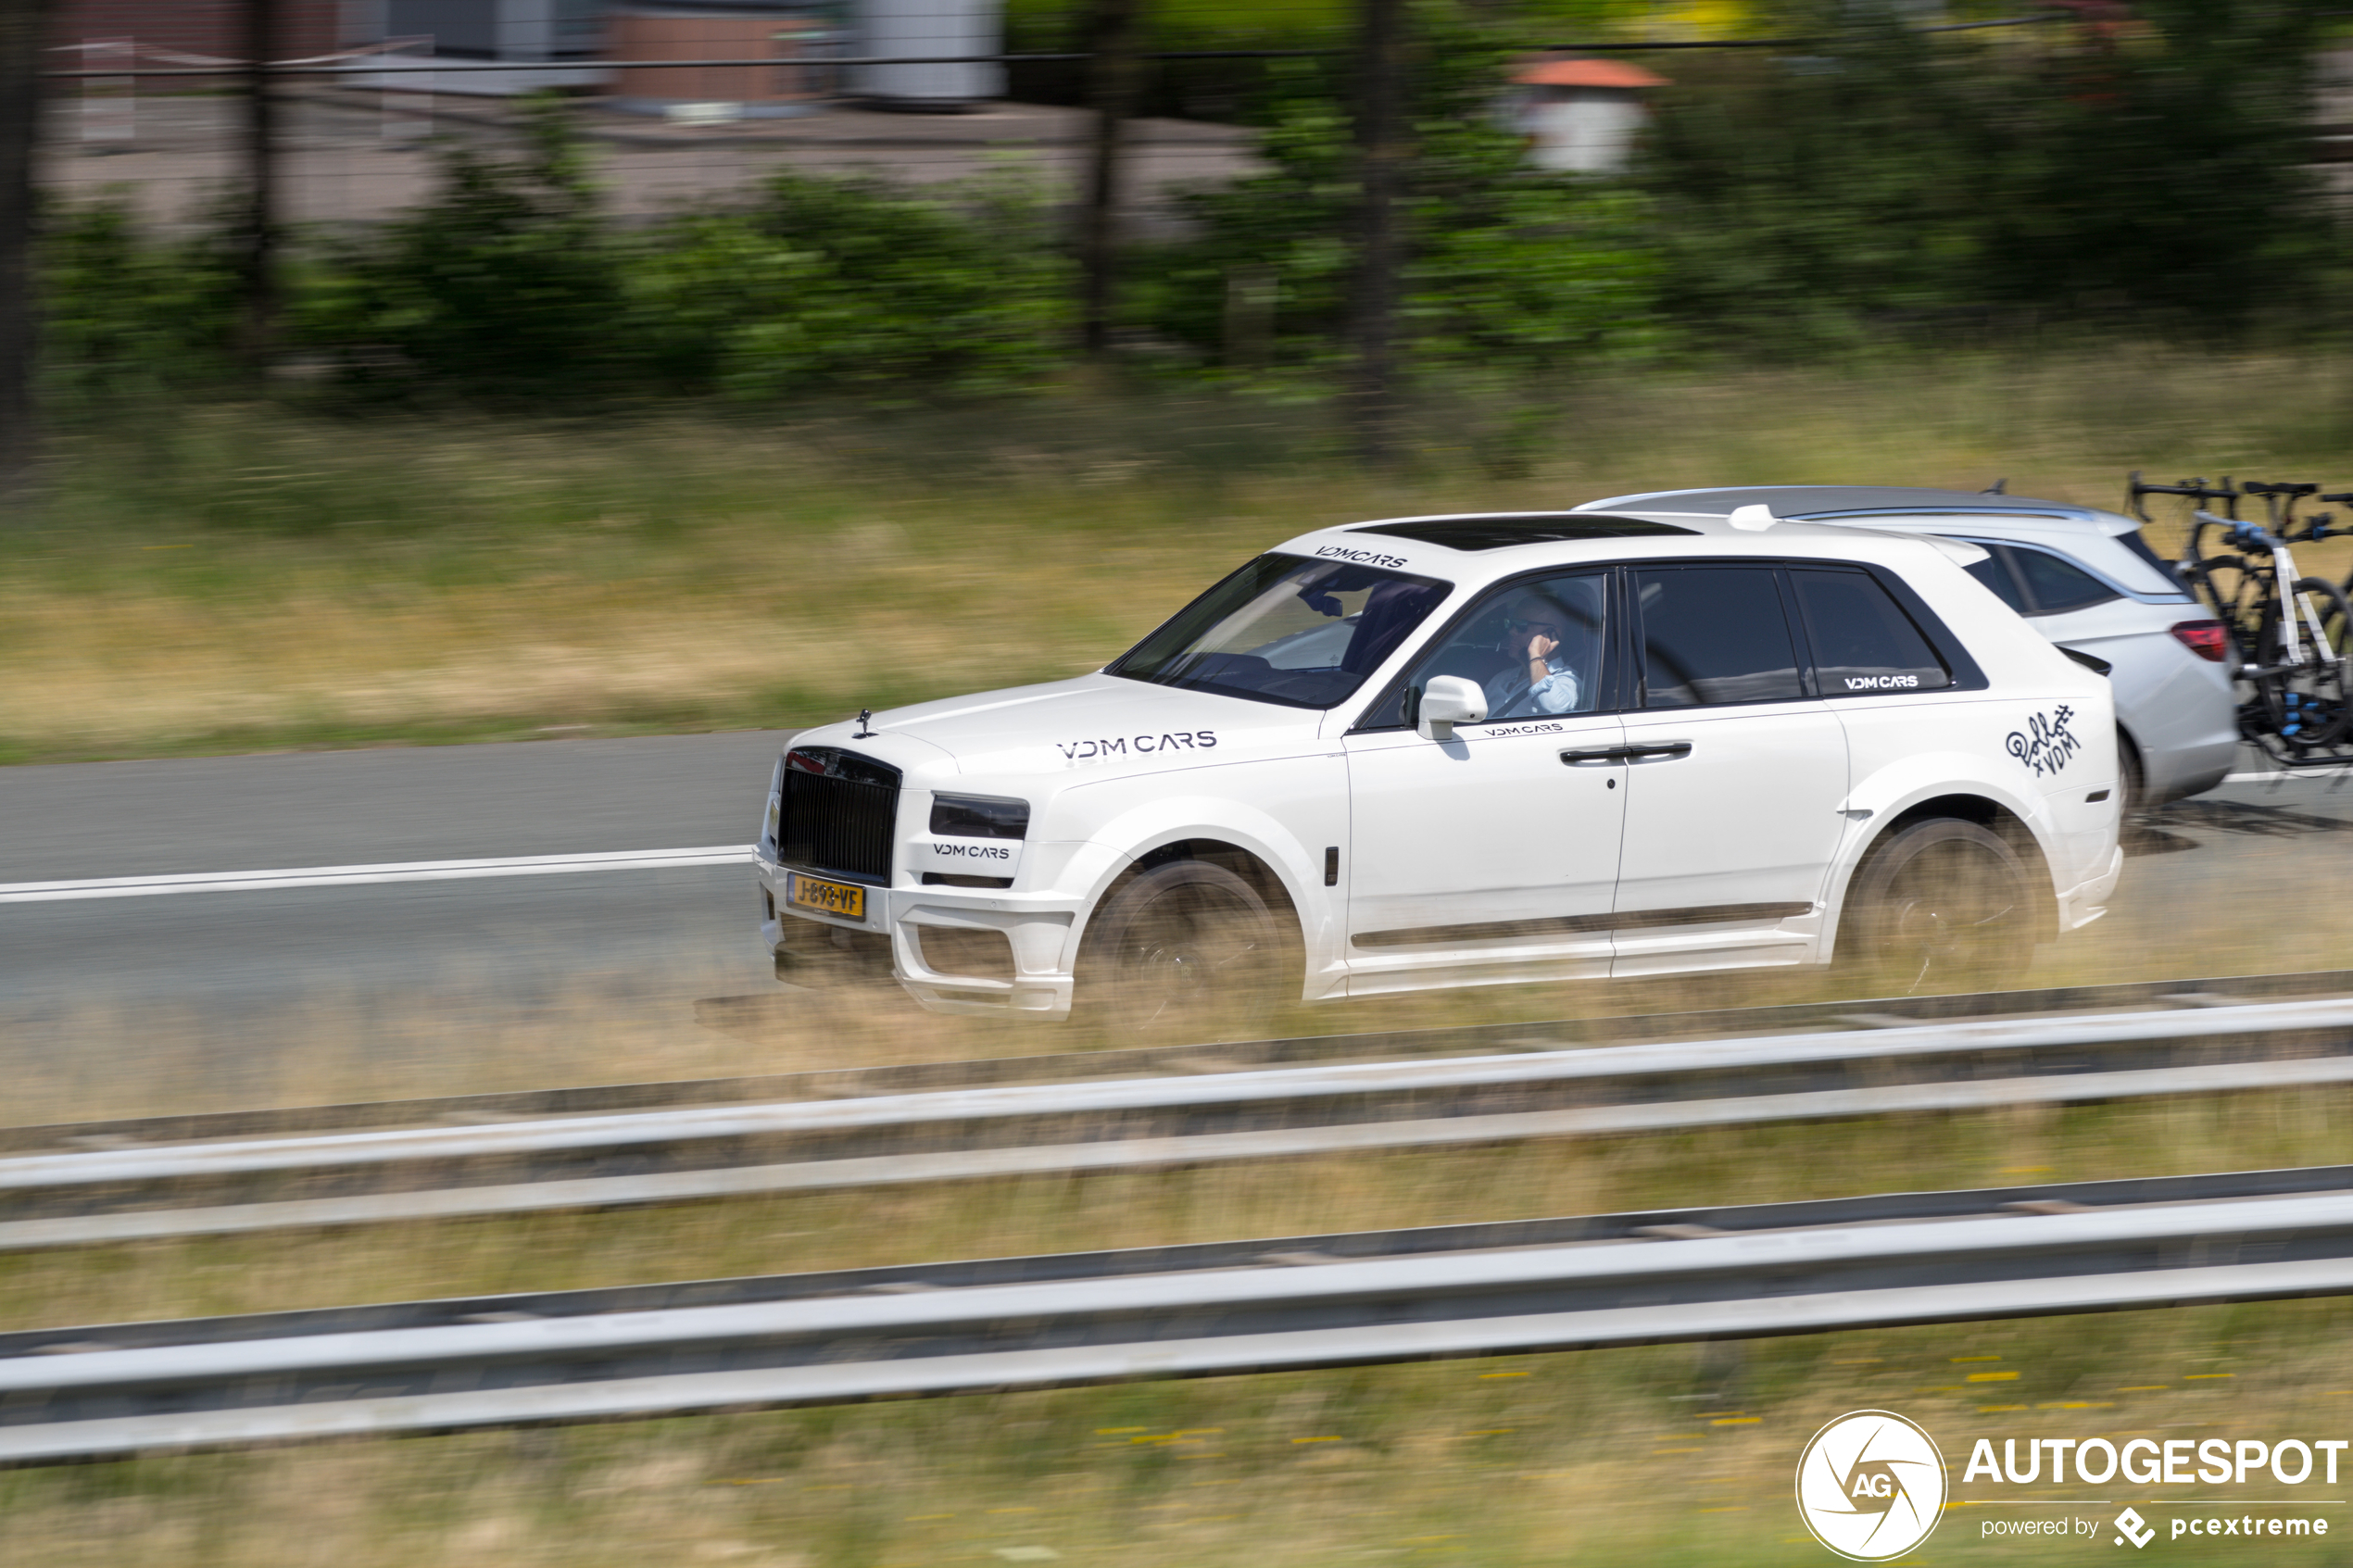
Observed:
{"x":1621,"y":1456}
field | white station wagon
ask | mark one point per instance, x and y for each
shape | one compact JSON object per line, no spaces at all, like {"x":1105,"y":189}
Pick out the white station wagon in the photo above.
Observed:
{"x":1452,"y":751}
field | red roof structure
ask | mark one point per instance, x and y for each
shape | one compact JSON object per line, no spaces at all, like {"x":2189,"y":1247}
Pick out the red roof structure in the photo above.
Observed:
{"x":1588,"y":73}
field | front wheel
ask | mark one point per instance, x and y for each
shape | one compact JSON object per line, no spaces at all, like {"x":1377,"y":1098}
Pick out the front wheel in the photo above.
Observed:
{"x":2304,"y":702}
{"x":1186,"y":950}
{"x":1940,"y":905}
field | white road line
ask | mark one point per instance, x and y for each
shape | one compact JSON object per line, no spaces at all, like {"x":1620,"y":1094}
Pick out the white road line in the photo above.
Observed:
{"x":2271,"y":775}
{"x":348,"y":876}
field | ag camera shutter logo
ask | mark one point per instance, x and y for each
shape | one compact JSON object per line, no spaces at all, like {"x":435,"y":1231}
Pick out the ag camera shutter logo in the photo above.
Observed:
{"x":1870,"y":1485}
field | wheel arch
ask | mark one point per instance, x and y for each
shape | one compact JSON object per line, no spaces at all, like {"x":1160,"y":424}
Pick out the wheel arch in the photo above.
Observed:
{"x":1987,"y":813}
{"x":1260,"y":874}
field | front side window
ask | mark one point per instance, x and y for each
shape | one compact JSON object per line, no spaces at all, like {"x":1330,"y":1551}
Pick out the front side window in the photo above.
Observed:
{"x":1534,"y":647}
{"x":1714,"y":634}
{"x":1863,"y":641}
{"x":1301,"y":632}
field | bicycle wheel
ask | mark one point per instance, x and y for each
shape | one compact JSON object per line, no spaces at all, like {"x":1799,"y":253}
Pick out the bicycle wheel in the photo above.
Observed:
{"x":2235,"y":593}
{"x":2305,"y":699}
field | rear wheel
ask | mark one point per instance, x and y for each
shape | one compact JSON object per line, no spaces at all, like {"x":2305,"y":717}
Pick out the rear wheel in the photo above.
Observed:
{"x":2306,"y":704}
{"x":2131,"y":781}
{"x":1186,"y":950}
{"x":1940,"y":905}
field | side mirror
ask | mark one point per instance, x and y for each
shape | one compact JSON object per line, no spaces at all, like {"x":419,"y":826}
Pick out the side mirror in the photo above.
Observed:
{"x":1447,"y":701}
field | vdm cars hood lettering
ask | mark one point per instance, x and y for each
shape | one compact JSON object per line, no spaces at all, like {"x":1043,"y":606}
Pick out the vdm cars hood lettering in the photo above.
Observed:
{"x":1143,"y":746}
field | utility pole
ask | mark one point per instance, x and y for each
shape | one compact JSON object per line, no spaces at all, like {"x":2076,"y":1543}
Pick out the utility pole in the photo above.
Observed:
{"x":1381,"y":245}
{"x":259,"y":239}
{"x":24,"y":35}
{"x":1111,"y":93}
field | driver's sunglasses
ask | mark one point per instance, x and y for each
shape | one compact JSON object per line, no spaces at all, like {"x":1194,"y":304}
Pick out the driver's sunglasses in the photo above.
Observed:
{"x":1550,"y":628}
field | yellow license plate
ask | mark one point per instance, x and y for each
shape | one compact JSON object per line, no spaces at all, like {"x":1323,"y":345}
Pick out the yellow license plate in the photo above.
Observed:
{"x":844,"y":899}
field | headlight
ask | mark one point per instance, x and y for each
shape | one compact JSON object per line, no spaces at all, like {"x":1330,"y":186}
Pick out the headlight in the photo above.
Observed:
{"x":978,"y":815}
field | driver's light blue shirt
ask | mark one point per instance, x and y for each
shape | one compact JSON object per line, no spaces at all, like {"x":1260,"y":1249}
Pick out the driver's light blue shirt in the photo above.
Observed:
{"x":1509,"y":694}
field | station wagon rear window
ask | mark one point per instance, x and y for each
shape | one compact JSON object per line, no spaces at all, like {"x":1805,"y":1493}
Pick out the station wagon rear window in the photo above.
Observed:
{"x":1305,"y":634}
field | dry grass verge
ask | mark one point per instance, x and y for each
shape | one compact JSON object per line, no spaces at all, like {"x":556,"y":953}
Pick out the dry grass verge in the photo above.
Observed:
{"x":240,"y":578}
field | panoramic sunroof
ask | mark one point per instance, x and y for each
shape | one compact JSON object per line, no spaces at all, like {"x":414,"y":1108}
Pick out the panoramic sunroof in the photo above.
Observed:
{"x":1499,"y":532}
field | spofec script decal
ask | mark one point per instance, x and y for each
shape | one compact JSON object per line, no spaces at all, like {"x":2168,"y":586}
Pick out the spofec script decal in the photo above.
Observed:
{"x":2046,"y":744}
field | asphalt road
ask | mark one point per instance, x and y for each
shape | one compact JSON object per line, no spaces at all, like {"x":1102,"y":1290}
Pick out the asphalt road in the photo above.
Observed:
{"x":165,"y":988}
{"x":222,"y":989}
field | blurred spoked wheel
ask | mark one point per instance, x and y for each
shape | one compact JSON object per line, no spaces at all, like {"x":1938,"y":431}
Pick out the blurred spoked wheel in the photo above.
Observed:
{"x":2307,"y":704}
{"x":1186,"y":950}
{"x":1941,"y":905}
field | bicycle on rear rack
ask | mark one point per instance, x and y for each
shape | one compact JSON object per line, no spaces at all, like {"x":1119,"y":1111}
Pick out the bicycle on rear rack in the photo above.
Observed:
{"x":2288,"y":633}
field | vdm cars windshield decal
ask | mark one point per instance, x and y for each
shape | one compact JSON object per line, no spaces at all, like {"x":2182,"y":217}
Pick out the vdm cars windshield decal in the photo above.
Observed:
{"x":1119,"y":745}
{"x":1362,"y":557}
{"x":2046,"y":744}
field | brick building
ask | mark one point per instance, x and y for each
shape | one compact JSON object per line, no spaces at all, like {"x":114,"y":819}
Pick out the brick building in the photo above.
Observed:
{"x":200,"y":27}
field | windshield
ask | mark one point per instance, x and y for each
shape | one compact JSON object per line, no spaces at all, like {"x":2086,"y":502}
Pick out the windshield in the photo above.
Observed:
{"x":1301,"y":633}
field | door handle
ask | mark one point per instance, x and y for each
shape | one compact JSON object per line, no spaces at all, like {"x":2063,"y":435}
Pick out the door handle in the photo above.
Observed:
{"x":1651,"y":751}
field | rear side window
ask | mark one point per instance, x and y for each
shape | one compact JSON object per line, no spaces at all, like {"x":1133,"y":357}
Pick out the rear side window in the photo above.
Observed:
{"x":1714,"y":634}
{"x":2057,"y":583}
{"x":1995,"y":573}
{"x":2145,"y":551}
{"x":1863,"y":641}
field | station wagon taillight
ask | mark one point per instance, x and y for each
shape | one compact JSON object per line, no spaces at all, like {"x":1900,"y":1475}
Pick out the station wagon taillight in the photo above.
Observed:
{"x":2208,"y":639}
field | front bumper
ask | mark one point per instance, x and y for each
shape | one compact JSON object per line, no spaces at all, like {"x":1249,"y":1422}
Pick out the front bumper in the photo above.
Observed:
{"x":1038,"y":927}
{"x":2087,"y":900}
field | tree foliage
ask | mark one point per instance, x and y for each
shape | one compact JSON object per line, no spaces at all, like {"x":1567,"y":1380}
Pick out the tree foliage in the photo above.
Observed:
{"x":1881,"y":184}
{"x":2148,"y":176}
{"x":1511,"y":267}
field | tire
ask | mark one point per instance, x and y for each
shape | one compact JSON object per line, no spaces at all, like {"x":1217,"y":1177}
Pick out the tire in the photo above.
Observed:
{"x":2307,"y":707}
{"x":1186,"y":950}
{"x":2131,"y":781}
{"x":1941,"y":905}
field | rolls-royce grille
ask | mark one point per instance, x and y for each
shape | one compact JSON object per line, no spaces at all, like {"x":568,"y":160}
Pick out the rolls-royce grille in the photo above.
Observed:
{"x":840,"y":812}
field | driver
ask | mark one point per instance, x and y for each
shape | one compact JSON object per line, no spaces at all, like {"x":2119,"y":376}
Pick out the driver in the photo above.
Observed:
{"x":1535,"y":676}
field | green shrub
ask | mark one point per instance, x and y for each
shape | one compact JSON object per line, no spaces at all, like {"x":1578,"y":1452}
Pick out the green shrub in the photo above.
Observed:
{"x":2004,"y":181}
{"x":854,"y":285}
{"x":512,"y":281}
{"x":126,"y":315}
{"x":507,"y":281}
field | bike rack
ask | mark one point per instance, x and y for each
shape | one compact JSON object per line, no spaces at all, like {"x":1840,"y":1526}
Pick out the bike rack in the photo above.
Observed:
{"x":2280,"y":501}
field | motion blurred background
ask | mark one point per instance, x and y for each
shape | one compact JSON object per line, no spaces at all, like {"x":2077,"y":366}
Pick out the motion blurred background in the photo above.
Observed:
{"x":446,"y":428}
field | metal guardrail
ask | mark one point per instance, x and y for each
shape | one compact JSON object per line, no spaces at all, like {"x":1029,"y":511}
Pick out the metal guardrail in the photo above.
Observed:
{"x":665,"y":1156}
{"x":1241,"y":1307}
{"x":1853,"y":1013}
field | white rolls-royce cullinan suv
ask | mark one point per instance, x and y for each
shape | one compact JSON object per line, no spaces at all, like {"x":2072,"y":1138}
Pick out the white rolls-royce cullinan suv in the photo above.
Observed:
{"x":1449,"y":751}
